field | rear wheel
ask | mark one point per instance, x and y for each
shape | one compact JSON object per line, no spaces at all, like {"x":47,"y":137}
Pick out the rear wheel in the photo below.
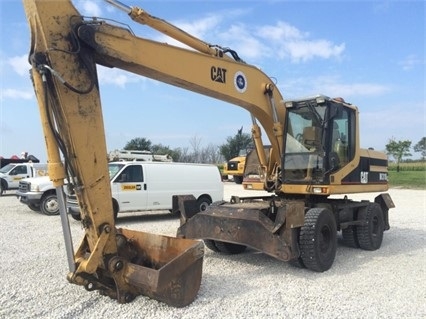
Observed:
{"x":203,"y":202}
{"x":1,"y":188}
{"x":49,"y":205}
{"x":370,"y":235}
{"x":318,"y":239}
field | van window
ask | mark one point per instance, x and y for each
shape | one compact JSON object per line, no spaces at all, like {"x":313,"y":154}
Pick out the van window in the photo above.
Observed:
{"x":131,"y":174}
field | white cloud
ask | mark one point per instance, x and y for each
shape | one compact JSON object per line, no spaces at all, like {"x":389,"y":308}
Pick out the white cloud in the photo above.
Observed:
{"x":304,"y":50}
{"x":291,"y":42}
{"x":332,"y":86}
{"x":347,"y":90}
{"x":16,"y":94}
{"x":116,"y":76}
{"x":89,"y":8}
{"x":410,"y":62}
{"x":20,"y":64}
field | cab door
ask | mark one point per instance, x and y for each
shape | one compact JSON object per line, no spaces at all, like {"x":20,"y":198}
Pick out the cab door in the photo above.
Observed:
{"x":129,"y":189}
{"x":16,"y":174}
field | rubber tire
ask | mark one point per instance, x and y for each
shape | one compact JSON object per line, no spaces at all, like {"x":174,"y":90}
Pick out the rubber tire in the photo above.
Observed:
{"x":370,"y":235}
{"x":34,"y":207}
{"x":238,"y":179}
{"x":318,"y":239}
{"x":76,"y":217}
{"x":203,"y":202}
{"x":229,"y":248}
{"x":1,"y":188}
{"x":350,"y":237}
{"x":211,"y":244}
{"x":49,"y":205}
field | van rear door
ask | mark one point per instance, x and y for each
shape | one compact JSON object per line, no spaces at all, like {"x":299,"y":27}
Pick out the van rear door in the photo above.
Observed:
{"x":129,"y":188}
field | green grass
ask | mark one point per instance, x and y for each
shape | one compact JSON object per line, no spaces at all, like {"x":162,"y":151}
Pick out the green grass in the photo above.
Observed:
{"x":407,"y":179}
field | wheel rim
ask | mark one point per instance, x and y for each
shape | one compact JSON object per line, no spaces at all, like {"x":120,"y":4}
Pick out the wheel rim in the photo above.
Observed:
{"x":52,"y":205}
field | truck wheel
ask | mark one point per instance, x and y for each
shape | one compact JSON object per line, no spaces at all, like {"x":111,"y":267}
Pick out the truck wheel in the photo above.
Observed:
{"x":318,"y":239}
{"x":370,"y":235}
{"x":350,"y":238}
{"x":238,"y":179}
{"x":49,"y":205}
{"x":229,"y":248}
{"x":34,"y":207}
{"x":76,"y":217}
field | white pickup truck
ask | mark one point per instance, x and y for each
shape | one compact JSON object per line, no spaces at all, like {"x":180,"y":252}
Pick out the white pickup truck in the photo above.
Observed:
{"x":12,"y":173}
{"x":39,"y":194}
{"x":147,"y":186}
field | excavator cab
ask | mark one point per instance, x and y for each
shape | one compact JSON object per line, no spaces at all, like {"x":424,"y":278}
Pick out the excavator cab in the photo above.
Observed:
{"x":319,"y":139}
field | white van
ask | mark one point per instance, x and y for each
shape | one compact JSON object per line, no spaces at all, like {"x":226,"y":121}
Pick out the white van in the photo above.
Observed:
{"x":145,"y":186}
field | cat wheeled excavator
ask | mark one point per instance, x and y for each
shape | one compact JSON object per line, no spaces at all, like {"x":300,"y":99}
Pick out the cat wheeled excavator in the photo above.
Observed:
{"x":314,"y":153}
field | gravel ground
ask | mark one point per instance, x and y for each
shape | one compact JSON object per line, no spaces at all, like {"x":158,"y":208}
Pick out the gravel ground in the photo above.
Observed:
{"x":388,"y":283}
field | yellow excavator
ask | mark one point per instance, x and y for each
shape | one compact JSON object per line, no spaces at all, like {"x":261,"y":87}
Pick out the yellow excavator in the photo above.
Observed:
{"x":313,"y":152}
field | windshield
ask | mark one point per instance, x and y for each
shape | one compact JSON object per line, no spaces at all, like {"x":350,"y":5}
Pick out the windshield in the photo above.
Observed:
{"x":304,"y":149}
{"x":7,"y":168}
{"x":114,"y":168}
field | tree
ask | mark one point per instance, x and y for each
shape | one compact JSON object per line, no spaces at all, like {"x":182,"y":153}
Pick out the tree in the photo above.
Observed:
{"x":235,"y":144}
{"x":138,"y":144}
{"x":398,"y":149}
{"x":159,"y":149}
{"x":421,"y":147}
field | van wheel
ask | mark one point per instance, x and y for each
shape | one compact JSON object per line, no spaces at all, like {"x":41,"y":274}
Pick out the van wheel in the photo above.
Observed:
{"x":49,"y":205}
{"x":203,"y":202}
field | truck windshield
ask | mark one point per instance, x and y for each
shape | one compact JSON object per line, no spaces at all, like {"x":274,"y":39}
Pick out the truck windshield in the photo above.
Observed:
{"x":7,"y":168}
{"x":304,"y":148}
{"x":114,"y":168}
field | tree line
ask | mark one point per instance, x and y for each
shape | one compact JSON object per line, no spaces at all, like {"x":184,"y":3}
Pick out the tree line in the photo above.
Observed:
{"x":196,"y":153}
{"x":213,"y":154}
{"x":400,"y":149}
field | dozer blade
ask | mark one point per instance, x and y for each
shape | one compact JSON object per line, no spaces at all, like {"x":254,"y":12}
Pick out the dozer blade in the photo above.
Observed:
{"x":165,"y":268}
{"x":243,"y":225}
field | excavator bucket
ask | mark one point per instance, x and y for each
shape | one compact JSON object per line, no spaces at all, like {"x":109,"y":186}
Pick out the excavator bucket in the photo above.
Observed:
{"x":165,"y":268}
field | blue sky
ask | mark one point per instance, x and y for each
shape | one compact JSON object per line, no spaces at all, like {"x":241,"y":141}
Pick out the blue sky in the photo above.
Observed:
{"x":371,"y":53}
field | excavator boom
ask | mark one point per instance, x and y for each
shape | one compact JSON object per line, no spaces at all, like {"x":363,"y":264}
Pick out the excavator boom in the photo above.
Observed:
{"x":118,"y":262}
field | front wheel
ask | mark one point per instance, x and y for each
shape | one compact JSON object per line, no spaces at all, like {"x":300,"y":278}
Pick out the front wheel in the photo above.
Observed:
{"x":34,"y":207}
{"x":1,"y":188}
{"x":49,"y":205}
{"x":318,"y":239}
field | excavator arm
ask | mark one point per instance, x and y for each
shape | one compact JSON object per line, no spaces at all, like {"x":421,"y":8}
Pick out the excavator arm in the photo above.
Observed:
{"x":65,"y":51}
